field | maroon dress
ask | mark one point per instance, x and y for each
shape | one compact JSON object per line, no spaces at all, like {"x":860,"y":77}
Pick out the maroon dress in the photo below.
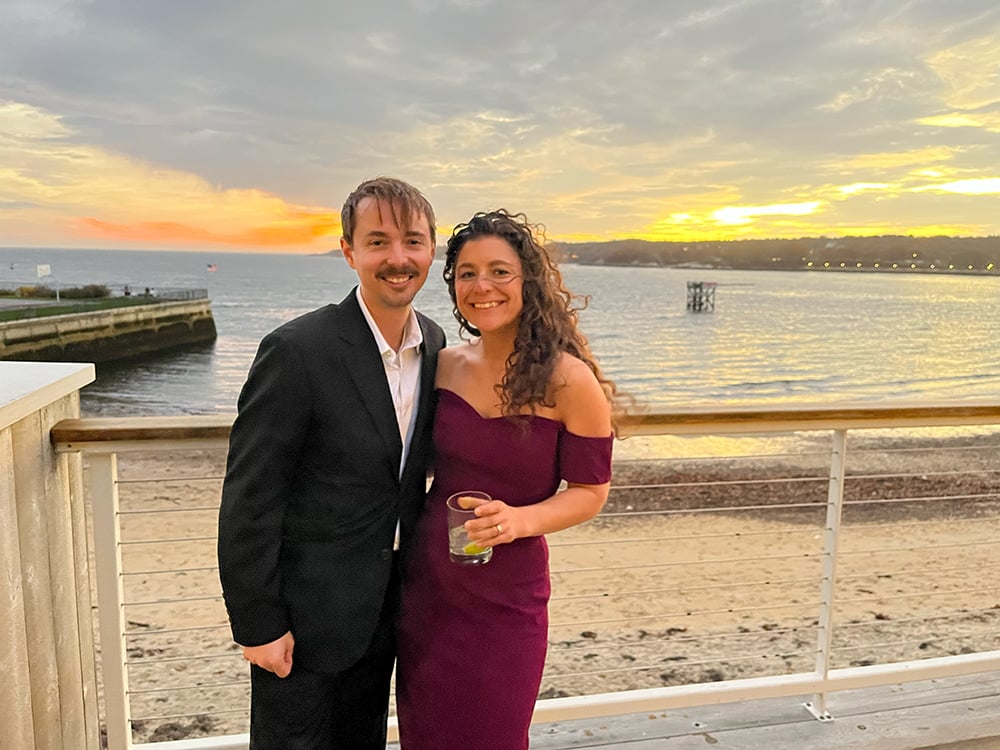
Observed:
{"x":472,"y":638}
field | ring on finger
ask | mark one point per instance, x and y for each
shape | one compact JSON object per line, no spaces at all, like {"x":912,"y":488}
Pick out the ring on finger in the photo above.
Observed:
{"x":499,"y":529}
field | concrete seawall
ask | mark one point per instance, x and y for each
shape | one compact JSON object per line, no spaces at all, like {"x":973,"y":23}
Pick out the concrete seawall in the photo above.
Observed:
{"x":103,"y":335}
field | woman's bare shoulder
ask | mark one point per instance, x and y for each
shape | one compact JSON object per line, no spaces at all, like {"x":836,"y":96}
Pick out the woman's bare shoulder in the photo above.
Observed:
{"x":572,"y":371}
{"x":451,"y":359}
{"x":457,"y":353}
{"x":581,"y":402}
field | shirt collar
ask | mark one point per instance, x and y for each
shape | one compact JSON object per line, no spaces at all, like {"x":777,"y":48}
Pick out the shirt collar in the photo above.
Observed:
{"x":412,"y":335}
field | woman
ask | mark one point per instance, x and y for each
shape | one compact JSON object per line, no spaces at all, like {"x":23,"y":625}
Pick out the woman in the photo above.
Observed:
{"x":521,"y":406}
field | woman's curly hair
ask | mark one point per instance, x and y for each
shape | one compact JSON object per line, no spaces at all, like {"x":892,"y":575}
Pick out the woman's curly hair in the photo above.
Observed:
{"x":549,"y":318}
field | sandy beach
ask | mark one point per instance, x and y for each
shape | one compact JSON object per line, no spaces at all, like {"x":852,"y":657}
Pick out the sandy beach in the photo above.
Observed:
{"x":694,"y":572}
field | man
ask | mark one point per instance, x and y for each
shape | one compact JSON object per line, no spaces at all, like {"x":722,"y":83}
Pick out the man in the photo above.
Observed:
{"x":326,"y":468}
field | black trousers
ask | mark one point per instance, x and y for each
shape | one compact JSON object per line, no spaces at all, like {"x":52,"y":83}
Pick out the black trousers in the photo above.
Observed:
{"x":317,"y":711}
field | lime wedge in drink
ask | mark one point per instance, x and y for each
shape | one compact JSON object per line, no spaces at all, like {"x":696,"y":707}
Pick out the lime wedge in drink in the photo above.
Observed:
{"x":473,"y":549}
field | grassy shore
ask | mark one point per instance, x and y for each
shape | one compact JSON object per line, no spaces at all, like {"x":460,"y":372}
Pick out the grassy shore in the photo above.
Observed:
{"x":17,"y":308}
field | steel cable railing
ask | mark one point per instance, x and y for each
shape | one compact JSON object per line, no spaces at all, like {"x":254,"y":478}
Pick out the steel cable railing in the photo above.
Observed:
{"x":706,"y":569}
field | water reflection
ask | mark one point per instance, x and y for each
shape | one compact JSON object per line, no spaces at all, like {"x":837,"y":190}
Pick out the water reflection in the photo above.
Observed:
{"x":149,"y":384}
{"x":774,"y":337}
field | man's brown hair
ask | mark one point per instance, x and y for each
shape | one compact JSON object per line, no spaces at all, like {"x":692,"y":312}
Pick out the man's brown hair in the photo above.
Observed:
{"x":404,"y":200}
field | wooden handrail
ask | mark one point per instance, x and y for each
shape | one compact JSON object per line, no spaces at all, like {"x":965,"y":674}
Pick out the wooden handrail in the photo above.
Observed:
{"x":76,"y":434}
{"x":787,"y":418}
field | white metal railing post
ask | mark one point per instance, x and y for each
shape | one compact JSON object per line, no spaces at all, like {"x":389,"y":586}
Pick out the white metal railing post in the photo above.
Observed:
{"x":831,"y":542}
{"x":102,"y":483}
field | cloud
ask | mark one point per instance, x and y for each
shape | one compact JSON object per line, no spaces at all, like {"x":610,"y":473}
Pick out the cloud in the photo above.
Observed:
{"x":878,"y":85}
{"x":746,"y":214}
{"x":602,"y":122}
{"x":889,"y":160}
{"x":971,"y":72}
{"x":106,"y":195}
{"x":980,"y":186}
{"x":863,"y":187}
{"x":989,"y":121}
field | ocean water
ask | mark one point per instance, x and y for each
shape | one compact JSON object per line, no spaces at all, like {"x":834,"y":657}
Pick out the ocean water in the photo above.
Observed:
{"x":774,"y":337}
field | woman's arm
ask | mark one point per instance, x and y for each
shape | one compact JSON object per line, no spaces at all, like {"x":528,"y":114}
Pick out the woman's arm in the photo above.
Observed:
{"x":583,"y":408}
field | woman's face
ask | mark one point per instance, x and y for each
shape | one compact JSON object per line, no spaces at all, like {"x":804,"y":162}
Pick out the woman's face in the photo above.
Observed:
{"x":488,"y":285}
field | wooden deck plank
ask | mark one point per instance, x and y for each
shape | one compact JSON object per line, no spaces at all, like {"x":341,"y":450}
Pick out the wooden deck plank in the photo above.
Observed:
{"x":954,"y":714}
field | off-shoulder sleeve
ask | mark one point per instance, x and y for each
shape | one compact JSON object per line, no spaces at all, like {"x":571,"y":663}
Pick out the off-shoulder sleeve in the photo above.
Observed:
{"x":585,"y":460}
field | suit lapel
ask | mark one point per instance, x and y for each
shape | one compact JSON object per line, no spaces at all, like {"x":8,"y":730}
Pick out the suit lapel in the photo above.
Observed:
{"x":364,"y":363}
{"x":428,"y":368}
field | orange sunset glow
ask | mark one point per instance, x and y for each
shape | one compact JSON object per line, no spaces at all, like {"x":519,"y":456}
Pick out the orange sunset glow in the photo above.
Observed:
{"x":295,"y":230}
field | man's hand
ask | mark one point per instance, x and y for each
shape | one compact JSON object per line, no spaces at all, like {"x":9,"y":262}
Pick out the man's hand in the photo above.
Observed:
{"x":275,"y":656}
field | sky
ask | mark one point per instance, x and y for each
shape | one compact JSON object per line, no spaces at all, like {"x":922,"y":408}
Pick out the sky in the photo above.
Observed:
{"x":243,"y":124}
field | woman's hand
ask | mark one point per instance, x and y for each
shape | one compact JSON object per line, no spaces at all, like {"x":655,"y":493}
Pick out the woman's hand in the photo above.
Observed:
{"x":495,"y":523}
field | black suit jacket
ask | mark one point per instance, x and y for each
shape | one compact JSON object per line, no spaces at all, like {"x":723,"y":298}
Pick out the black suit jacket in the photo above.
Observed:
{"x":312,"y":489}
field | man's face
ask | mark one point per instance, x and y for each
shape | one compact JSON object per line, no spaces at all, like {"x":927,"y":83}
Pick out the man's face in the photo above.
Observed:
{"x":392,"y":263}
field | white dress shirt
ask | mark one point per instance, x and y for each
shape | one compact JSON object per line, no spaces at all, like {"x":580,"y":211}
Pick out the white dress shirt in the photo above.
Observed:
{"x":402,"y":373}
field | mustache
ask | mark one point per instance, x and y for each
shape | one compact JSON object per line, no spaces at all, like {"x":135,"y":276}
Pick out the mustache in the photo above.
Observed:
{"x":408,"y":269}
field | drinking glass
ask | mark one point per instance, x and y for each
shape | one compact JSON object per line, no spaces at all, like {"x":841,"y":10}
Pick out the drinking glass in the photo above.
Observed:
{"x":460,"y":549}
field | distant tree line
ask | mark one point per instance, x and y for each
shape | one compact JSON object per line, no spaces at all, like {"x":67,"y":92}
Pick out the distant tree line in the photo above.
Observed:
{"x":885,"y":252}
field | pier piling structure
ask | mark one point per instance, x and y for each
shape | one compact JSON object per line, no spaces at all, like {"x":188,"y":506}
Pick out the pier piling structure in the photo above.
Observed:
{"x":701,"y":296}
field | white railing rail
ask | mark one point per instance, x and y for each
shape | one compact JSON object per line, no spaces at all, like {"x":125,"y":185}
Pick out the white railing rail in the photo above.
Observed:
{"x":102,"y":440}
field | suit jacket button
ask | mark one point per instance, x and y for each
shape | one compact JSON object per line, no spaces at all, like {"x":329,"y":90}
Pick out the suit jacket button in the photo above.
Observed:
{"x":386,"y":554}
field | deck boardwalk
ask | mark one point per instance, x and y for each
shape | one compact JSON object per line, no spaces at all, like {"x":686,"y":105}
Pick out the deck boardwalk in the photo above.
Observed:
{"x":949,"y":714}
